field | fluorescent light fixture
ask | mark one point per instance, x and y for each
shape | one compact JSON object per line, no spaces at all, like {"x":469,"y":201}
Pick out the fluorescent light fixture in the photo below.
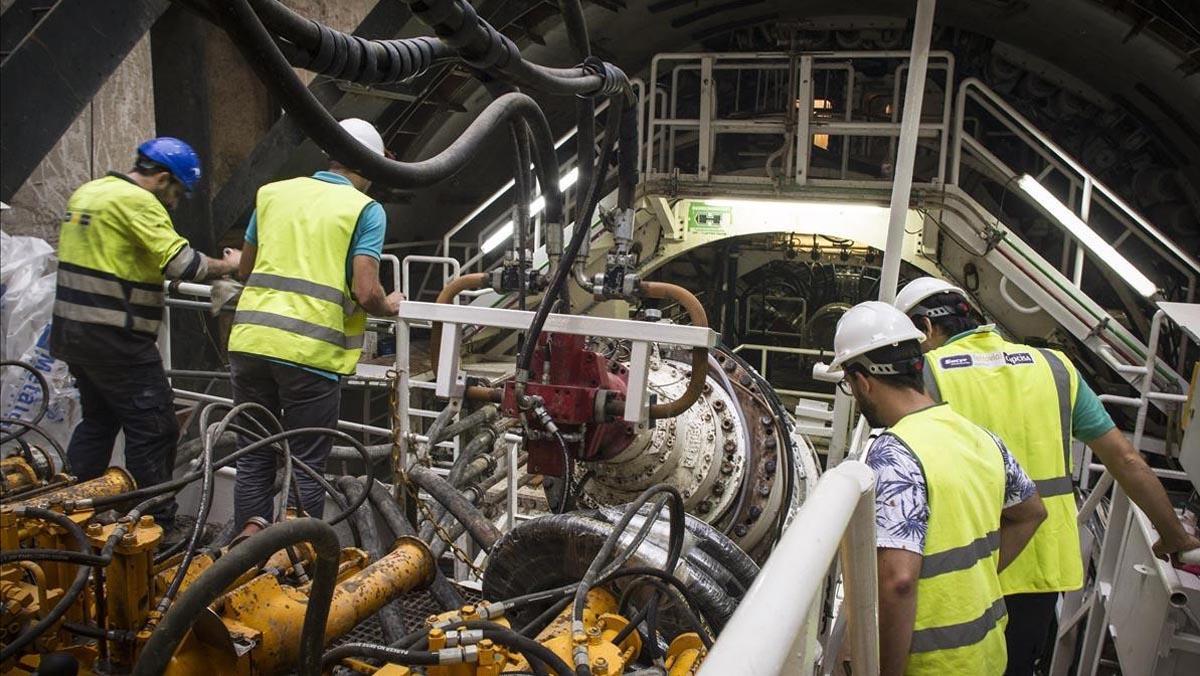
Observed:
{"x":1087,"y":237}
{"x":497,"y":238}
{"x":535,"y":207}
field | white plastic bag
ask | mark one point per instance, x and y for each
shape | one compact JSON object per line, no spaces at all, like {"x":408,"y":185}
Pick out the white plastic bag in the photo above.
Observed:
{"x":27,"y":277}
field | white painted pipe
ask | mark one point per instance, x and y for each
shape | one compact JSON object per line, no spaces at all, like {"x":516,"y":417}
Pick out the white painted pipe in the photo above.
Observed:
{"x":759,"y":637}
{"x":906,"y":153}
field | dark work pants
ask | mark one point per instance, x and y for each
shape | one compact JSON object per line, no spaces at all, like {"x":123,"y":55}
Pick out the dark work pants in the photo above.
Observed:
{"x":137,"y":400}
{"x":1030,"y":621}
{"x":298,"y":398}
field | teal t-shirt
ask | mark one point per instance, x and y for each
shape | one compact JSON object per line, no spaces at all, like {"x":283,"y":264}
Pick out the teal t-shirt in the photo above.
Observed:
{"x":367,"y":240}
{"x":1089,"y":420}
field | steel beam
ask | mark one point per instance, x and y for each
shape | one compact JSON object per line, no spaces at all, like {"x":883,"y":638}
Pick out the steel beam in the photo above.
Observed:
{"x":183,"y":109}
{"x":56,"y":70}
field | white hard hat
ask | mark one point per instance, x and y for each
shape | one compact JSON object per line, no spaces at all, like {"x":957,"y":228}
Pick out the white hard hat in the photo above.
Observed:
{"x":921,"y":288}
{"x":365,"y":133}
{"x":869,"y":326}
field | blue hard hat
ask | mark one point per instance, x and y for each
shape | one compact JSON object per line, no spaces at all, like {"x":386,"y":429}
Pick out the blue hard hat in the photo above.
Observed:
{"x":177,"y":156}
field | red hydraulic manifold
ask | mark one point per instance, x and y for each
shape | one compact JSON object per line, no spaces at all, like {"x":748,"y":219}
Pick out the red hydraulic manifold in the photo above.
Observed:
{"x":574,"y":384}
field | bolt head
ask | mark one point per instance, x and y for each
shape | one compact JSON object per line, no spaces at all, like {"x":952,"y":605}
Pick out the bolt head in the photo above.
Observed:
{"x":94,"y":529}
{"x":740,"y":530}
{"x":146,"y":521}
{"x":755,"y":512}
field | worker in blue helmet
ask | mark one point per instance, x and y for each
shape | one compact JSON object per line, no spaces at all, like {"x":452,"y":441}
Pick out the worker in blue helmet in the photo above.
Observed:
{"x":117,"y":246}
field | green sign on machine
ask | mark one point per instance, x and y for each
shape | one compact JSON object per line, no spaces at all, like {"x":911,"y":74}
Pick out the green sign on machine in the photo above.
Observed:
{"x":706,"y":219}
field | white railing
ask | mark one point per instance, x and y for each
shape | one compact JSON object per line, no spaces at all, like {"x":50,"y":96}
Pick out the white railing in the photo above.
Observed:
{"x":1085,"y":191}
{"x":775,"y":627}
{"x":825,"y":115}
{"x":765,"y":351}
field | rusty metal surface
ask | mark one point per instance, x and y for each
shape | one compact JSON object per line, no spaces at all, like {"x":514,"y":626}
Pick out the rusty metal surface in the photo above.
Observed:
{"x":114,"y":481}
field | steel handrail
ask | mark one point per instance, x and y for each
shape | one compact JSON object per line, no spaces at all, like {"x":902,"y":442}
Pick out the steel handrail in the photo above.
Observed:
{"x":1147,"y":231}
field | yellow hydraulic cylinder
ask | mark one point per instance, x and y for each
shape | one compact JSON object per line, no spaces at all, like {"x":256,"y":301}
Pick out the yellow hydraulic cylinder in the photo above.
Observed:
{"x":114,"y":481}
{"x":128,"y":582}
{"x":277,"y":612}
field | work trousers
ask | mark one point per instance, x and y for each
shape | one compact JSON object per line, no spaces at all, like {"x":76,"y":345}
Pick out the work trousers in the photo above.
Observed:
{"x":298,"y":398}
{"x":1030,"y":623}
{"x":135,"y":399}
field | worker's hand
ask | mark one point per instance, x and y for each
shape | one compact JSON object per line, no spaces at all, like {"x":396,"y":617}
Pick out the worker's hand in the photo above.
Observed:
{"x":393,"y":301}
{"x":1168,"y":547}
{"x":232,"y":256}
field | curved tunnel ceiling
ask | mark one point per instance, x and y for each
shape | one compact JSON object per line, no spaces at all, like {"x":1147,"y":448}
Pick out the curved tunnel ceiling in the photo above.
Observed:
{"x":1101,"y":56}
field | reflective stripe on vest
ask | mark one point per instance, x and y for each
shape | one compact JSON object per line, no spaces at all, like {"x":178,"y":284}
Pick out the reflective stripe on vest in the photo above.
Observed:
{"x":114,"y":240}
{"x":1025,"y":396}
{"x":960,"y":618}
{"x":297,"y":305}
{"x":96,"y":297}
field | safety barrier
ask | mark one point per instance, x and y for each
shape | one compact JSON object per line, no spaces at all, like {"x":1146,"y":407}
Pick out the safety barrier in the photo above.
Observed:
{"x":774,"y":630}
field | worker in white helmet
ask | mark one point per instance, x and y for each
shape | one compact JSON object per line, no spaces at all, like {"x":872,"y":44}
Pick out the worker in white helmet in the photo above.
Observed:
{"x":1035,"y":399}
{"x":953,"y":508}
{"x":311,"y":269}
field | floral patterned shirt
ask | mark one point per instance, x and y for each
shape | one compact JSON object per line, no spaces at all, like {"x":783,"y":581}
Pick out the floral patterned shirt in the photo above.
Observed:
{"x":901,"y":502}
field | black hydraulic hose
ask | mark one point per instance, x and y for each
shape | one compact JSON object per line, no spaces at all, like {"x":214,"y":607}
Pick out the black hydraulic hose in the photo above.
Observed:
{"x":318,"y":48}
{"x":609,"y":547}
{"x":585,"y":114}
{"x":391,"y":618}
{"x":434,"y":434}
{"x":446,"y":595}
{"x":627,"y":154}
{"x":478,"y":526}
{"x":257,"y":46}
{"x":213,"y":581}
{"x":77,"y":586}
{"x":37,"y":429}
{"x":522,"y":196}
{"x":581,"y":231}
{"x":539,"y":623}
{"x":688,"y":606}
{"x":379,"y":652}
{"x":531,"y":649}
{"x":207,"y":488}
{"x":175,"y":484}
{"x":485,"y":48}
{"x":45,"y":401}
{"x":481,"y":416}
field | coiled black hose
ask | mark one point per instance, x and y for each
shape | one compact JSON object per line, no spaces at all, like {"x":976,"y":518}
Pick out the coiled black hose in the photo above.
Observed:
{"x":259,"y":49}
{"x":318,"y":48}
{"x":213,"y":581}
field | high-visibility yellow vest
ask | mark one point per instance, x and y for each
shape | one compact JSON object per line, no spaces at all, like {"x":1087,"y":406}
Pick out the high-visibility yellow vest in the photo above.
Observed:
{"x":959,"y":627}
{"x":1024,"y":395}
{"x":115,"y":240}
{"x":297,"y":304}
